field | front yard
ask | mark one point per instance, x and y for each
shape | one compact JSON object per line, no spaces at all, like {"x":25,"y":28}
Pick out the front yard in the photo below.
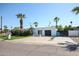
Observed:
{"x":2,"y":37}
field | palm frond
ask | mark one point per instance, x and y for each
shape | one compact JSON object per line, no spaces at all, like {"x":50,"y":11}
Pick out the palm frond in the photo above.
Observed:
{"x":75,"y":10}
{"x":35,"y":22}
{"x":20,"y":15}
{"x":56,"y":19}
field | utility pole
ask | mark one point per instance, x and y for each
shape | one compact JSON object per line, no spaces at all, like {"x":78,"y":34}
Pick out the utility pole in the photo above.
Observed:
{"x":1,"y":24}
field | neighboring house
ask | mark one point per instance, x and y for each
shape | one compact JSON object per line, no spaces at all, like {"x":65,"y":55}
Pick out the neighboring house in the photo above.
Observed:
{"x":44,"y":31}
{"x":74,"y":32}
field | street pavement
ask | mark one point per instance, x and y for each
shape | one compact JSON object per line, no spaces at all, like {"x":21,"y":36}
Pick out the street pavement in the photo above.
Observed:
{"x":18,"y":49}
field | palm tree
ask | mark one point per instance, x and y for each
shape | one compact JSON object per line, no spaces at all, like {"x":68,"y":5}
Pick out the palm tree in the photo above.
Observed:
{"x":1,"y":23}
{"x":56,"y":19}
{"x":36,"y":24}
{"x":71,"y":23}
{"x":76,"y":10}
{"x":21,"y":17}
{"x":5,"y":28}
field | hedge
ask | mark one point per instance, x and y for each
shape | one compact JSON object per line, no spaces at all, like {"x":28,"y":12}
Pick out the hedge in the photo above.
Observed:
{"x":21,"y":33}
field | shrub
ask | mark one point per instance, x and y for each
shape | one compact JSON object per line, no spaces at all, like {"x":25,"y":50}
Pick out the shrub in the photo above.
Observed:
{"x":21,"y":33}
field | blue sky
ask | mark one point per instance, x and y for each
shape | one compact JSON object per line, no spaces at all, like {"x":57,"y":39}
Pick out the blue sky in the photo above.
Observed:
{"x":40,"y":12}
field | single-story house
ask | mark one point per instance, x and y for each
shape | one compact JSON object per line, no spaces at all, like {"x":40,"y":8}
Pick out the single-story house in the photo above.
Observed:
{"x":74,"y":32}
{"x":44,"y":31}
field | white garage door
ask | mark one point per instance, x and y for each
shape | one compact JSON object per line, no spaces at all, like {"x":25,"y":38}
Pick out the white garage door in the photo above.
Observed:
{"x":73,"y":33}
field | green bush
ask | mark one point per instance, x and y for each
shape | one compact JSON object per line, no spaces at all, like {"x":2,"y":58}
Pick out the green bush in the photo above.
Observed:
{"x":21,"y":33}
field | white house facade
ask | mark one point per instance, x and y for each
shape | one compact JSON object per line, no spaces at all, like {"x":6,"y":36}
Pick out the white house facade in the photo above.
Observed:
{"x":44,"y":31}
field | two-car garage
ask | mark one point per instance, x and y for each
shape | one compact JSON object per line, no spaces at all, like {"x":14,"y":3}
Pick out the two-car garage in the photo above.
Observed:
{"x":45,"y":31}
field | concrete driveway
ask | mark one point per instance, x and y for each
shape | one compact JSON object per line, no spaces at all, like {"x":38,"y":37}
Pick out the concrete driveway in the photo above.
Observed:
{"x":63,"y":40}
{"x":44,"y":40}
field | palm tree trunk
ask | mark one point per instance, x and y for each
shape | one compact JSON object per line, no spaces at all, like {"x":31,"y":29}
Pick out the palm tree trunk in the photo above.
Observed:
{"x":21,"y":24}
{"x":1,"y":24}
{"x":56,"y":25}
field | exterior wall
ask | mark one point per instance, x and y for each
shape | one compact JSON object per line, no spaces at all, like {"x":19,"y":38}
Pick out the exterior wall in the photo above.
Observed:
{"x":35,"y":32}
{"x":73,"y":33}
{"x":53,"y":31}
{"x":43,"y":33}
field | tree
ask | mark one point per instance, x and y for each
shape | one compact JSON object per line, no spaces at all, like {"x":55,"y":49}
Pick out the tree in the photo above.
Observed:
{"x":5,"y":28}
{"x":66,"y":28}
{"x":76,"y":10}
{"x":16,"y":28}
{"x":1,"y":24}
{"x":31,"y":29}
{"x":21,"y":17}
{"x":56,"y":19}
{"x":71,"y":23}
{"x":60,"y":28}
{"x":36,"y":24}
